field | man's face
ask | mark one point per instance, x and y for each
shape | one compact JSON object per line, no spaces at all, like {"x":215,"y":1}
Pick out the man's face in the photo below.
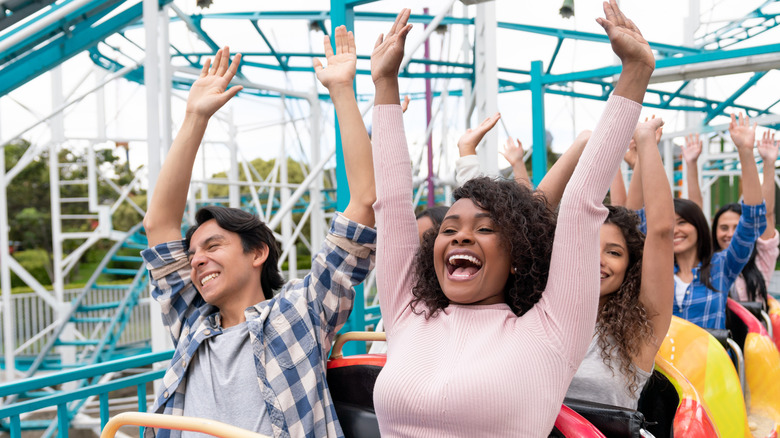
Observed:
{"x":221,"y":270}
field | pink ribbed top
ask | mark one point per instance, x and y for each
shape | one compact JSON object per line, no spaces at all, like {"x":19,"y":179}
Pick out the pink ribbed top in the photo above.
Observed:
{"x":480,"y":370}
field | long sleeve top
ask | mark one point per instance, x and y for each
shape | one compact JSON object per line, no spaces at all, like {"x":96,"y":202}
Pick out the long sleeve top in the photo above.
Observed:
{"x":766,"y":257}
{"x":291,"y":334}
{"x":479,"y":370}
{"x":706,"y":307}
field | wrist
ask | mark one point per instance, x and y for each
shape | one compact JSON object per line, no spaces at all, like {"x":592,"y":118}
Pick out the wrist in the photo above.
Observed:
{"x":467,"y":150}
{"x":195,"y":118}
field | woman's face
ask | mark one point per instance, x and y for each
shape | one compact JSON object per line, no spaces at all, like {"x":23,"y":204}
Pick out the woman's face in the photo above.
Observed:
{"x":685,"y":235}
{"x":724,"y":229}
{"x":614,"y":259}
{"x":472,"y":265}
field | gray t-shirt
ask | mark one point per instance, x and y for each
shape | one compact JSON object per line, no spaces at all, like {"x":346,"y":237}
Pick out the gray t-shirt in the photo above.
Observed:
{"x":222,"y":384}
{"x":595,"y":382}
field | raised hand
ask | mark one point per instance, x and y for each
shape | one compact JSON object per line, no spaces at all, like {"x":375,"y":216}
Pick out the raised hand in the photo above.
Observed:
{"x":341,"y":66}
{"x":768,"y":148}
{"x":626,"y":39}
{"x":648,"y":129}
{"x":742,"y":134}
{"x":209,"y":92}
{"x":389,"y":49}
{"x":513,"y":152}
{"x":467,"y":144}
{"x":692,"y":149}
{"x":631,"y":154}
{"x":405,"y":103}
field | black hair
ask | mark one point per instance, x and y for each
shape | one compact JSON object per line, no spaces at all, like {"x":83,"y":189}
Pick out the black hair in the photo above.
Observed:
{"x":691,"y":213}
{"x":435,"y":214}
{"x":754,"y":279}
{"x":254,"y":234}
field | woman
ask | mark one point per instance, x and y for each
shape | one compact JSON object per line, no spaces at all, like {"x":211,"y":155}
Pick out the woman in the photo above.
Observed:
{"x":480,"y":341}
{"x":703,"y":279}
{"x":753,"y":281}
{"x":633,"y":316}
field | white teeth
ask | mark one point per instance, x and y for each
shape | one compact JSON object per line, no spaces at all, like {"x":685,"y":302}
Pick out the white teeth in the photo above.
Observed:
{"x":471,"y":259}
{"x":603,"y":275}
{"x":208,"y":278}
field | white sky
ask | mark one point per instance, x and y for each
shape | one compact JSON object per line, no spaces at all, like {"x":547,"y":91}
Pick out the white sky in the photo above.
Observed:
{"x":660,"y":21}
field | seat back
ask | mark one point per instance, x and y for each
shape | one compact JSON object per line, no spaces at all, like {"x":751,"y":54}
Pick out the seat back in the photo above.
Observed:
{"x":658,"y":402}
{"x":612,"y":421}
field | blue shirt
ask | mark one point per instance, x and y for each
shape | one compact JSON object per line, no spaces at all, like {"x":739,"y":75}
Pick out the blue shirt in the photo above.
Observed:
{"x":291,"y":334}
{"x":706,"y":307}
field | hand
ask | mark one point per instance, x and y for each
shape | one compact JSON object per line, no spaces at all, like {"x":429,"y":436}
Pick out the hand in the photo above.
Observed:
{"x":631,"y":154}
{"x":742,"y":134}
{"x":626,"y":39}
{"x":208,"y":93}
{"x":467,"y":144}
{"x":513,"y":153}
{"x":341,"y":66}
{"x":650,"y":129}
{"x":405,"y":104}
{"x":692,"y":149}
{"x":389,"y":50}
{"x":583,"y":137}
{"x":767,"y":148}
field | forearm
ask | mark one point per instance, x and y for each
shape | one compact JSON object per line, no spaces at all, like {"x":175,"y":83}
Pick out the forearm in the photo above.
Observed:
{"x":692,"y":178}
{"x":554,"y":182}
{"x":164,"y":215}
{"x":633,"y":81}
{"x":657,"y":194}
{"x":617,"y":191}
{"x":635,"y":199}
{"x":768,"y":192}
{"x":387,"y":91}
{"x":356,"y":147}
{"x":521,"y":174}
{"x":751,"y":186}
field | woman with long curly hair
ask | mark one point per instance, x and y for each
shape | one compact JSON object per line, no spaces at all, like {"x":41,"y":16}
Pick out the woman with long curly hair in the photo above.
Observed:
{"x":485,"y":336}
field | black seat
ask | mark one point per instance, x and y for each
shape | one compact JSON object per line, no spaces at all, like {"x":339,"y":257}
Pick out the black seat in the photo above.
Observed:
{"x":658,"y":402}
{"x":612,"y":421}
{"x":352,"y":389}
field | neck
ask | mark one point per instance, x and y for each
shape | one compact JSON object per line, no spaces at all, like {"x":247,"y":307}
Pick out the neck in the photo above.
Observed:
{"x":687,"y":260}
{"x":232,"y":313}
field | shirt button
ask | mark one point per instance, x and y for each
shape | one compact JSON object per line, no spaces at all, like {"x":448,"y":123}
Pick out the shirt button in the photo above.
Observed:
{"x":183,"y":363}
{"x":207,"y":332}
{"x":165,"y":394}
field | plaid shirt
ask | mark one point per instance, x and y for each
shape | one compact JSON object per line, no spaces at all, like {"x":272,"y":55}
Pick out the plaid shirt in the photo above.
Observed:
{"x":284,"y":330}
{"x":706,"y":307}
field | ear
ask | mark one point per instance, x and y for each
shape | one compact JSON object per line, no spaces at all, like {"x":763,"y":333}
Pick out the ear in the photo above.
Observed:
{"x":260,"y":256}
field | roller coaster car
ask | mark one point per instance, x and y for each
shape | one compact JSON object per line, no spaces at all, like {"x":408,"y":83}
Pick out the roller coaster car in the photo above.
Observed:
{"x":774,"y":318}
{"x":669,"y":402}
{"x":762,"y":365}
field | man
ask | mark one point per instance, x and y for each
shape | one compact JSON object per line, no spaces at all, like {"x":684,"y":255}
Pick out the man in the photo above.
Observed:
{"x":244,"y":356}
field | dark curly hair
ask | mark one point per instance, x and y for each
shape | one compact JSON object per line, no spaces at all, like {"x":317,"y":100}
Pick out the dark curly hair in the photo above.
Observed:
{"x":623,"y":324}
{"x":754,"y":279}
{"x":526,"y":225}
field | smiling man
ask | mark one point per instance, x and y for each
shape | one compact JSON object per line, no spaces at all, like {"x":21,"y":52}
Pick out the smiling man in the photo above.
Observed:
{"x":245,"y":355}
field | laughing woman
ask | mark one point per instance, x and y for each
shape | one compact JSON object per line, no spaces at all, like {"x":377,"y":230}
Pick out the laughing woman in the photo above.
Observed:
{"x":485,"y":334}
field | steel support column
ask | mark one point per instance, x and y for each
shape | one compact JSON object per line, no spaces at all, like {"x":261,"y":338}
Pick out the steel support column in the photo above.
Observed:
{"x":539,"y":156}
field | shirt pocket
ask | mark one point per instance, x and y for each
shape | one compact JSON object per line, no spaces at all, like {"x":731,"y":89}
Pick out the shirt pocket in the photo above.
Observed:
{"x":290,"y":340}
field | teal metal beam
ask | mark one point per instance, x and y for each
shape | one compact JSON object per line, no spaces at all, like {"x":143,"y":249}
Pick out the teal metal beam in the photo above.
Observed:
{"x":752,"y":24}
{"x":730,"y":100}
{"x":539,"y":156}
{"x":279,"y":58}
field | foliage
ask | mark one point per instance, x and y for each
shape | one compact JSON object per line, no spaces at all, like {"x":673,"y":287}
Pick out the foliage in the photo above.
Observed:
{"x":36,"y":262}
{"x":29,"y":201}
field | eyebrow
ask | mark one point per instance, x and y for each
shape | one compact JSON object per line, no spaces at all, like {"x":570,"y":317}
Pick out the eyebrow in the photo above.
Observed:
{"x":210,"y":239}
{"x":476,"y":216}
{"x":615,"y":245}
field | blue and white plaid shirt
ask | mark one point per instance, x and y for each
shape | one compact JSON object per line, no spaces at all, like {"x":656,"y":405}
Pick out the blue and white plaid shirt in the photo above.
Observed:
{"x":291,"y":333}
{"x":707,"y":307}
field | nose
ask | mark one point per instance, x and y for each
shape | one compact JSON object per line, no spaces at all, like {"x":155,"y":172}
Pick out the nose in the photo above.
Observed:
{"x":462,"y":237}
{"x":197,"y":259}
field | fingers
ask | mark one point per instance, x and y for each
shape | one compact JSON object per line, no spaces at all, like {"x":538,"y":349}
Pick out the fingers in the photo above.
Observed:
{"x":232,"y":91}
{"x":327,"y":47}
{"x":619,"y":17}
{"x":400,"y":21}
{"x":224,"y":61}
{"x":317,"y":65}
{"x":205,"y":70}
{"x":234,"y":67}
{"x":351,"y":43}
{"x":217,"y":60}
{"x":489,"y":122}
{"x":379,"y":41}
{"x":733,"y":121}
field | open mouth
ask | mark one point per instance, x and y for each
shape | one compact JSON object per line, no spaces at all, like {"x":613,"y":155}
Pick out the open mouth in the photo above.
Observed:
{"x":208,"y":278}
{"x":604,"y":275}
{"x":463,"y":266}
